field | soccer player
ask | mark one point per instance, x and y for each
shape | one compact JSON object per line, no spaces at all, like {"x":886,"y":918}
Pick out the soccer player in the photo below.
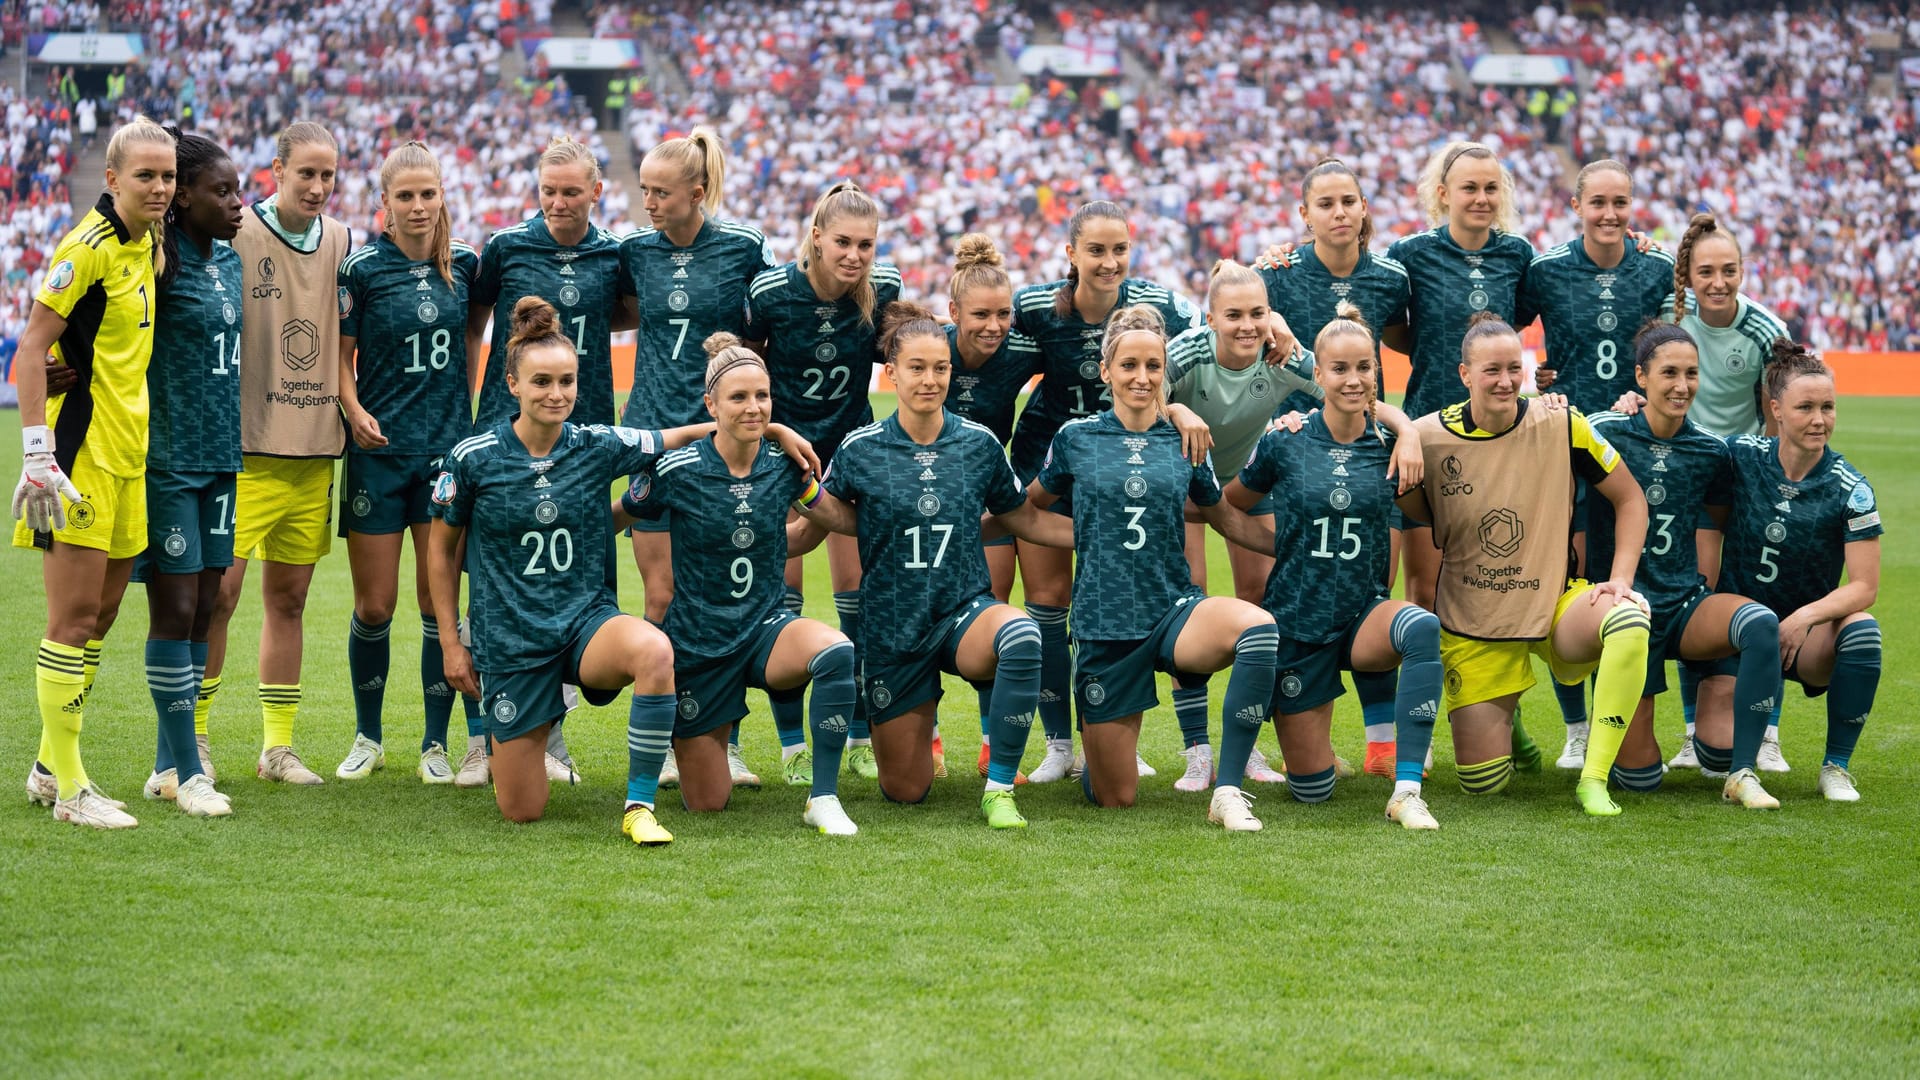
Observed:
{"x":1138,"y":610}
{"x":193,"y":451}
{"x":1802,"y":515}
{"x":913,"y":488}
{"x":1337,"y":266}
{"x":1331,"y":564}
{"x":815,"y":320}
{"x":1471,"y":260}
{"x":1501,"y":511}
{"x":1593,"y":293}
{"x":727,"y":498}
{"x":1217,"y":370}
{"x":1684,"y":469}
{"x":689,"y":273}
{"x":1067,"y":320}
{"x":407,"y":356}
{"x":1735,"y":335}
{"x":88,"y":447}
{"x":527,"y":501}
{"x":561,"y":256}
{"x":290,"y":429}
{"x":991,"y":363}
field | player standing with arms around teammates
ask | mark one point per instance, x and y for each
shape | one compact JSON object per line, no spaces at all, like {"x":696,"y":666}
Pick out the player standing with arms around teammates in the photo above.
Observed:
{"x":688,"y":274}
{"x":1334,"y":267}
{"x":526,"y":502}
{"x":193,"y":451}
{"x":290,"y":429}
{"x":730,"y":627}
{"x":1471,"y":260}
{"x":561,"y":256}
{"x":913,"y":488}
{"x":1330,"y":570}
{"x":93,"y":313}
{"x":1502,"y":512}
{"x":1801,"y":516}
{"x":1067,"y":319}
{"x":407,"y":353}
{"x":990,"y":365}
{"x":1137,"y":608}
{"x":815,"y":321}
{"x":1593,"y":293}
{"x":1735,"y":335}
{"x":1220,"y":372}
{"x":1687,"y":478}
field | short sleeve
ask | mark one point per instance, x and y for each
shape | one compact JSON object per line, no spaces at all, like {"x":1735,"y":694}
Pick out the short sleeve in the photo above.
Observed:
{"x":1262,"y":472}
{"x":1004,"y":492}
{"x":1203,"y":487}
{"x":352,"y":300}
{"x":646,"y":496}
{"x":1863,"y":513}
{"x":76,"y":267}
{"x":1056,"y":472}
{"x":1182,"y":315}
{"x":1719,"y":491}
{"x":452,"y":499}
{"x":634,"y":449}
{"x":1594,"y":458}
{"x":466,"y":266}
{"x":486,"y":278}
{"x":758,"y":325}
{"x":842,"y":478}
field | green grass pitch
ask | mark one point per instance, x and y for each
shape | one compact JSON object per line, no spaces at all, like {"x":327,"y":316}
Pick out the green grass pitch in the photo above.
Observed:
{"x":383,"y":928}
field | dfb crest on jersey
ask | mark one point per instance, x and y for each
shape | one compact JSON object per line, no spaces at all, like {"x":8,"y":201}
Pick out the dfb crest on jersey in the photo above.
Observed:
{"x":1340,"y":498}
{"x":825,"y":352}
{"x":504,"y":711}
{"x":569,"y":295}
{"x":427,"y":311}
{"x":677,"y":300}
{"x":689,"y":707}
{"x":1090,"y":370}
{"x":1477,"y":299}
{"x":1607,"y":321}
{"x":1776,"y":532}
{"x":743,"y":538}
{"x":1136,"y":487}
{"x":1656,"y":494}
{"x":546,"y":511}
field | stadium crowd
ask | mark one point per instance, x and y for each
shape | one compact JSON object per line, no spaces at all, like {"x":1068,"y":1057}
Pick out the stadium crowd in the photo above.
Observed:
{"x":1767,"y":119}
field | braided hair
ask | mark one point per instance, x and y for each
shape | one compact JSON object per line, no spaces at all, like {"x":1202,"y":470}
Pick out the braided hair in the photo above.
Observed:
{"x":193,"y":155}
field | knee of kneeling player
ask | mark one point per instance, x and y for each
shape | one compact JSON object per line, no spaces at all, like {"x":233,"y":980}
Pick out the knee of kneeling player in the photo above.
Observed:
{"x":905,"y":795}
{"x":1486,"y":777}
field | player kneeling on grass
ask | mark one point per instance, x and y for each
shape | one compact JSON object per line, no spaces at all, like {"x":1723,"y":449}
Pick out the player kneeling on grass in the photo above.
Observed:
{"x":913,"y":488}
{"x":1136,"y":609}
{"x":1498,"y":490}
{"x":531,"y":494}
{"x":1332,"y":485}
{"x":1684,"y":468}
{"x":726,"y":500}
{"x":1802,"y":515}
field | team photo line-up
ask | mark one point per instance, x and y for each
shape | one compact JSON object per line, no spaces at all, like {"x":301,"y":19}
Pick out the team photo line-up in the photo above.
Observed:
{"x":1674,"y":495}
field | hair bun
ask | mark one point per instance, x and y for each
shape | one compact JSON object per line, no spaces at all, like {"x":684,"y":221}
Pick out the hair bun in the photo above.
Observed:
{"x":975,"y":249}
{"x":718,"y":342}
{"x":534,"y":318}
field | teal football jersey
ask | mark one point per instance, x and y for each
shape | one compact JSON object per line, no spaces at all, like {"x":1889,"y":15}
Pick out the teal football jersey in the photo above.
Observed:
{"x":1678,"y":476}
{"x":1447,"y":284}
{"x":1129,"y":492}
{"x":410,"y":330}
{"x":1333,"y":516}
{"x":583,"y":282}
{"x":919,"y":508}
{"x":729,"y":543}
{"x":540,"y":534}
{"x":986,"y":394}
{"x":685,"y":295}
{"x":1591,"y":314}
{"x":193,"y":380}
{"x":1070,"y":385}
{"x":820,"y":353}
{"x":1308,"y":295}
{"x":1786,"y":540}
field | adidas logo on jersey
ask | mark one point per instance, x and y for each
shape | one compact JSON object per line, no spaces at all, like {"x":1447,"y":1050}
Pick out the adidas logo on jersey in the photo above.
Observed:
{"x":1783,"y":508}
{"x":1606,"y":294}
{"x":1135,"y":459}
{"x":826,"y":327}
{"x":680,"y":273}
{"x":926,"y":475}
{"x":542,"y":482}
{"x":1339,"y":470}
{"x":566,"y":270}
{"x":743,"y":508}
